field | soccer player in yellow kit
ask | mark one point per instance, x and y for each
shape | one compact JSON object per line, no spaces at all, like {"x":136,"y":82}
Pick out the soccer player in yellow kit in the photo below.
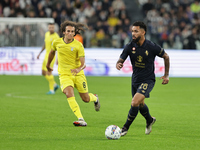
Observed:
{"x":50,"y":35}
{"x":71,"y":62}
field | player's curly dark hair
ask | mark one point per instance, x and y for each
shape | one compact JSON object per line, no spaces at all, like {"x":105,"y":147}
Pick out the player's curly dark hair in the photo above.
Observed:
{"x":141,"y":25}
{"x":78,"y":26}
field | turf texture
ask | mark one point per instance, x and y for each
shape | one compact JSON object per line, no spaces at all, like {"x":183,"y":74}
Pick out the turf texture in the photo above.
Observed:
{"x":32,"y":120}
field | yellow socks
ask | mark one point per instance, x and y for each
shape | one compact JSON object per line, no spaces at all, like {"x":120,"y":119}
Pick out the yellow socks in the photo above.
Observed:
{"x":93,"y":98}
{"x":51,"y":81}
{"x":75,"y":107}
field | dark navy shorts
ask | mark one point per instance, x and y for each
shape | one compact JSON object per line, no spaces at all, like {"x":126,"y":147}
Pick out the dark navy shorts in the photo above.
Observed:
{"x":143,"y":88}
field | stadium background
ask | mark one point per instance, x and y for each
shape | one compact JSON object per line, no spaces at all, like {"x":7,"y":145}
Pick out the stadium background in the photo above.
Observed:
{"x":174,"y":24}
{"x":30,"y":119}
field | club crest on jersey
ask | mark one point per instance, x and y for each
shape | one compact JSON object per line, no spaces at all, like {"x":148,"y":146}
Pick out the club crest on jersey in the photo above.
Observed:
{"x":72,"y":48}
{"x":133,"y":50}
{"x":147,"y":53}
{"x":139,"y":58}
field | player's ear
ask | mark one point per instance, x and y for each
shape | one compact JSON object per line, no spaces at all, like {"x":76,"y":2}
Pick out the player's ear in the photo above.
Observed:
{"x":143,"y":32}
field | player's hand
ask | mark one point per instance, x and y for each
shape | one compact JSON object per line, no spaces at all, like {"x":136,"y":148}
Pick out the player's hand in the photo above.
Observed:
{"x":38,"y":56}
{"x":49,"y":68}
{"x":119,"y":66}
{"x":165,"y":79}
{"x":75,"y":71}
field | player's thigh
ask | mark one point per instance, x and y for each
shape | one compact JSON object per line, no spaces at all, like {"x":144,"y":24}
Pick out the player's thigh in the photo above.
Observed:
{"x":134,"y":89}
{"x":81,"y":84}
{"x":66,"y":81}
{"x":145,"y":88}
{"x":45,"y":63}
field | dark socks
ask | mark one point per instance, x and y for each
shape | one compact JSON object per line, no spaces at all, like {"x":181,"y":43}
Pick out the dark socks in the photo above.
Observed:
{"x":145,"y":113}
{"x":131,"y":116}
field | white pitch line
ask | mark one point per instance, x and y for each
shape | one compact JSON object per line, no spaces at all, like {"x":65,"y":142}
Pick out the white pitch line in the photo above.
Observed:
{"x":13,"y":95}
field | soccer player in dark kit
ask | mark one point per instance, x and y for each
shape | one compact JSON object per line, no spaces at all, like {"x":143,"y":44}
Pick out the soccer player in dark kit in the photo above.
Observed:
{"x":142,"y":53}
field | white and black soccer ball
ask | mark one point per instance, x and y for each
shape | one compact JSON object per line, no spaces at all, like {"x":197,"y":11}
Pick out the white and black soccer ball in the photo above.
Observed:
{"x":113,"y":132}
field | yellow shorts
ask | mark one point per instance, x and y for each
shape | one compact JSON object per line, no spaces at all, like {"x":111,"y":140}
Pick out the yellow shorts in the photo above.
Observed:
{"x":45,"y":63}
{"x":78,"y":81}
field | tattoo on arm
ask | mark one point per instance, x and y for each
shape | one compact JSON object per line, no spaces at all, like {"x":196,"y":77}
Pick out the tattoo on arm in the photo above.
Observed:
{"x":167,"y":64}
{"x":120,"y":61}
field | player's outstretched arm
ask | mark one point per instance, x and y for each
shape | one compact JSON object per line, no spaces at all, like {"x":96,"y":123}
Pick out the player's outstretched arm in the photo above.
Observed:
{"x":119,"y":63}
{"x":167,"y":64}
{"x":50,"y":58}
{"x":43,"y":47}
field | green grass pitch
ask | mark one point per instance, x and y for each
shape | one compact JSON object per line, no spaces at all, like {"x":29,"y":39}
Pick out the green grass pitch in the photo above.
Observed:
{"x":32,"y":120}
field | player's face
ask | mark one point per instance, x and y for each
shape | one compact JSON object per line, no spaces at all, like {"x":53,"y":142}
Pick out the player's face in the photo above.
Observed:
{"x":137,"y":33}
{"x":51,"y":28}
{"x":69,"y":32}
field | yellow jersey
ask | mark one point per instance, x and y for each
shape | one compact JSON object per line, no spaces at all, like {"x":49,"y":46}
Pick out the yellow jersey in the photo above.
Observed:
{"x":48,"y":42}
{"x":68,"y":55}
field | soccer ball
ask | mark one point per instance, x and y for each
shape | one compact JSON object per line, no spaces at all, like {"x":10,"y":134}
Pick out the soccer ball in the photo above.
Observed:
{"x":113,"y":132}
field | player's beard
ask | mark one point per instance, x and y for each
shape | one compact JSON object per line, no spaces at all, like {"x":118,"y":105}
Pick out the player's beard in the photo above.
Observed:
{"x":136,"y":40}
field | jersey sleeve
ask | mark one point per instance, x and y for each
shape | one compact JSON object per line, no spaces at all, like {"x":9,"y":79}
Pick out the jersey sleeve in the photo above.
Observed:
{"x":159,"y":51}
{"x":125,"y":53}
{"x":53,"y":46}
{"x":81,"y":52}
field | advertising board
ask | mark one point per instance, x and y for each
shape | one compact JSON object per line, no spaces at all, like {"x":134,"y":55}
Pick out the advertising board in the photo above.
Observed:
{"x":99,"y":62}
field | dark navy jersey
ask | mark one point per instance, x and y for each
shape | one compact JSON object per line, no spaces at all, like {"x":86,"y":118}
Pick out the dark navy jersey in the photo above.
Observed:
{"x":142,"y":59}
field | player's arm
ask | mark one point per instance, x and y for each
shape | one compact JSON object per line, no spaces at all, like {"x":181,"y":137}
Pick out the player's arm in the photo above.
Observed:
{"x":50,"y":58}
{"x":43,"y":48}
{"x":119,"y":63}
{"x":167,"y":64}
{"x":82,"y":66}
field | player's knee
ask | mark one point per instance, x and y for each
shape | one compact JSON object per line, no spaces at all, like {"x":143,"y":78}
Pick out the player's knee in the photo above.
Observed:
{"x":135,"y":103}
{"x":68,"y":94}
{"x":137,"y":100}
{"x":44,"y":73}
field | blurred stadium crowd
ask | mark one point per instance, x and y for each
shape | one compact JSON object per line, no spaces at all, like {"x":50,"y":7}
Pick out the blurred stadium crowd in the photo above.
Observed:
{"x":174,"y":24}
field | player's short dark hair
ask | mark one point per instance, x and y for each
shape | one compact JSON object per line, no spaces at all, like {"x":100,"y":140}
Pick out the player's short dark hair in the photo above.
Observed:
{"x":141,"y":25}
{"x":78,"y":26}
